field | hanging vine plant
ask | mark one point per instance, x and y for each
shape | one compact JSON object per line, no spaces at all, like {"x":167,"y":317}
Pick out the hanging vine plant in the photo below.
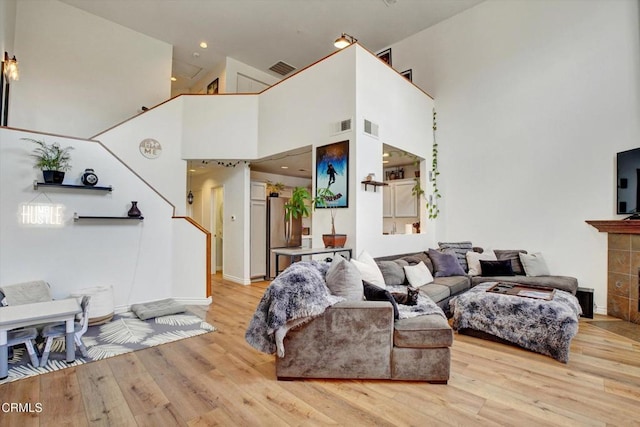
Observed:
{"x":432,"y":202}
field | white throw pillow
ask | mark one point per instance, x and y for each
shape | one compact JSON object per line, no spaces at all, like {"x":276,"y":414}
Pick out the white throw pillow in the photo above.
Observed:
{"x":534,"y":264}
{"x":370,"y":273}
{"x":473,"y":260}
{"x":418,"y":275}
{"x":367,"y":259}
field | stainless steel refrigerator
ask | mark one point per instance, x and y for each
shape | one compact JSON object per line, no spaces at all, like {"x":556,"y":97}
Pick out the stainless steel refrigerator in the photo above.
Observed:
{"x":276,"y":233}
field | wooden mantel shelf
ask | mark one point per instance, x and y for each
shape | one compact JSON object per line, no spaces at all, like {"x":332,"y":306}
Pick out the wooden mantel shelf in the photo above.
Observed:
{"x":624,"y":226}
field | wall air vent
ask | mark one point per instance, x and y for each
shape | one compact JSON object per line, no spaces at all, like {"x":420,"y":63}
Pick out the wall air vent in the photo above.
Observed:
{"x":345,"y":125}
{"x":282,"y":68}
{"x":370,"y":128}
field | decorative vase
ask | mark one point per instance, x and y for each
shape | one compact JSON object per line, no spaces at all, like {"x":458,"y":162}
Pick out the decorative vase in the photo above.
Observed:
{"x":334,"y":240}
{"x":134,"y":212}
{"x":89,"y":177}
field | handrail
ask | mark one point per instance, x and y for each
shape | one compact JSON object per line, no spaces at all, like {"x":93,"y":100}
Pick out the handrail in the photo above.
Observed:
{"x":208,"y":237}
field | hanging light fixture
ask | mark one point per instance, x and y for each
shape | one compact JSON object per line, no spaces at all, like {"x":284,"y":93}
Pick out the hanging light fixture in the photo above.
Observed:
{"x":344,"y":40}
{"x":9,"y":72}
{"x":190,"y":195}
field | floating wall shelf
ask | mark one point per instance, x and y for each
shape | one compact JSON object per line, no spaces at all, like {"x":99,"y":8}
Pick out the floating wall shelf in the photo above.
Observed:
{"x":375,"y":184}
{"x":77,"y":217}
{"x":37,"y":184}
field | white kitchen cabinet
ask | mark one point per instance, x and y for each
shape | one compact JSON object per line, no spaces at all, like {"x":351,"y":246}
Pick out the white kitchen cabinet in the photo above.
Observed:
{"x":397,"y":200}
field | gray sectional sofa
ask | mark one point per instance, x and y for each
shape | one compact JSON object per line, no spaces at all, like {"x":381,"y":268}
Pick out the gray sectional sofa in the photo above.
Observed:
{"x":444,"y":288}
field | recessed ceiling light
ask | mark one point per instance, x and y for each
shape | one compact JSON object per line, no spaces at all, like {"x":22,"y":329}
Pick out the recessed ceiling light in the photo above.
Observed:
{"x":203,"y":45}
{"x":173,"y":79}
{"x":192,"y":170}
{"x":284,"y":167}
{"x":385,"y":154}
{"x":385,"y":161}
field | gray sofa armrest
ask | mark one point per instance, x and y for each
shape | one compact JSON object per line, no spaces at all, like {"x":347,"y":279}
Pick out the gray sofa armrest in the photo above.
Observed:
{"x":351,"y":339}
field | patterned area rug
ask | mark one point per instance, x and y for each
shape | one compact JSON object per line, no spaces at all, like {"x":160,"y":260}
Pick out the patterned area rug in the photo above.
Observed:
{"x":123,"y":334}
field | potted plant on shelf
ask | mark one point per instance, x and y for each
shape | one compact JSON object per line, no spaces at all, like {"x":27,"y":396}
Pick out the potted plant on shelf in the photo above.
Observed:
{"x":274,"y":189}
{"x":324,"y":199}
{"x":52,"y":159}
{"x":296,"y":207}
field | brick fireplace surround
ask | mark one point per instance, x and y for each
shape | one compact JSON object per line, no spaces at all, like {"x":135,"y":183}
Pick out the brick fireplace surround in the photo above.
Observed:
{"x":623,"y":260}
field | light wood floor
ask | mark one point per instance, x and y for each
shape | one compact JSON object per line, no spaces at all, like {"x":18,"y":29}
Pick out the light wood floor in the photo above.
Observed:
{"x":217,"y":379}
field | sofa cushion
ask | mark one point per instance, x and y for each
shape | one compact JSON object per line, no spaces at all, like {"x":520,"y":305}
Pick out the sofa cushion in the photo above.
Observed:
{"x":460,"y":249}
{"x":513,"y":256}
{"x":436,"y":292}
{"x":496,"y":268}
{"x":344,"y":279}
{"x":456,"y":284}
{"x":375,"y":293}
{"x":534,"y":264}
{"x":418,"y":275}
{"x":369,"y":269}
{"x":445,"y":264}
{"x":428,"y":331}
{"x":473,"y":261}
{"x":392,"y":272}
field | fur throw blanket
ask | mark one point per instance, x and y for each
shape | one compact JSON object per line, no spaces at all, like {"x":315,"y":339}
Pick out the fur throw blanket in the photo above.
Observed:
{"x":546,"y":327}
{"x":424,"y":306}
{"x":296,"y":295}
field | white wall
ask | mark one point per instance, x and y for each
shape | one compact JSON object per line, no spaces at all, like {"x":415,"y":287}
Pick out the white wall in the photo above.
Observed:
{"x":403,"y":115}
{"x":219,"y":127}
{"x":534,"y":99}
{"x":81,"y":74}
{"x":167,"y":173}
{"x":235,"y":67}
{"x":189,"y":274}
{"x":134,"y":257}
{"x":7,"y":29}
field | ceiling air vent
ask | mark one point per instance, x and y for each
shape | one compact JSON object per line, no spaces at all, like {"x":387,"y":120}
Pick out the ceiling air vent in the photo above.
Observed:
{"x":370,"y":128}
{"x":282,"y":68}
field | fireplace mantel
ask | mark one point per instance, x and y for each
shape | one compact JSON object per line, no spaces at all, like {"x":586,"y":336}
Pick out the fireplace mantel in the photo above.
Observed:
{"x":623,"y":226}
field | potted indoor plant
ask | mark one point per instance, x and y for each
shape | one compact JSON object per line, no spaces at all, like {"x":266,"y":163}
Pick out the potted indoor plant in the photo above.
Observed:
{"x":296,"y":207}
{"x":324,"y":199}
{"x":274,"y":189}
{"x":52,"y":159}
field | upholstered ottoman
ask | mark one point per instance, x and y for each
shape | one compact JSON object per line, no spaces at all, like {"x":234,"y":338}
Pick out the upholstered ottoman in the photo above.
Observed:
{"x":543,"y":326}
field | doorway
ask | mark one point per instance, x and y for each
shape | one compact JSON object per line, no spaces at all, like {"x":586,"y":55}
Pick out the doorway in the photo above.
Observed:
{"x":216,"y":227}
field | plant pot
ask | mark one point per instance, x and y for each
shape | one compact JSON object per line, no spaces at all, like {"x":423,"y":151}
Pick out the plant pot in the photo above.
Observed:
{"x":274,"y":194}
{"x":417,"y":174}
{"x":53,"y":177}
{"x":334,"y":240}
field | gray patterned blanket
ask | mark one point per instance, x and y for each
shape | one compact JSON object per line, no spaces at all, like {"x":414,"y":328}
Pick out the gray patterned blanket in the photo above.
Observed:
{"x":546,"y":327}
{"x":295,"y":296}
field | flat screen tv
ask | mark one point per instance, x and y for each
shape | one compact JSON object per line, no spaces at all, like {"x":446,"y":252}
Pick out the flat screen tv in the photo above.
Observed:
{"x":628,"y":178}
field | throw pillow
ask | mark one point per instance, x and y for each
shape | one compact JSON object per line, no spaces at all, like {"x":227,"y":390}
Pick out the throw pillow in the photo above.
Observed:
{"x":370,"y":273}
{"x":513,"y":256}
{"x":374,"y":293}
{"x":414,"y":259}
{"x":418,"y":275}
{"x":344,"y":279}
{"x":460,"y":249}
{"x":496,"y":268}
{"x":473,"y":260}
{"x":392,"y":272}
{"x":534,"y":264}
{"x":445,"y":264}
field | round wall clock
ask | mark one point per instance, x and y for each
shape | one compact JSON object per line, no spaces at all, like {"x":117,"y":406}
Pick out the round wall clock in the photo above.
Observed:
{"x":150,"y":148}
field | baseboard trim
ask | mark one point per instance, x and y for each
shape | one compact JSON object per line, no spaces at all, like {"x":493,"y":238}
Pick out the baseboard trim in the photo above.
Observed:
{"x":235,"y":279}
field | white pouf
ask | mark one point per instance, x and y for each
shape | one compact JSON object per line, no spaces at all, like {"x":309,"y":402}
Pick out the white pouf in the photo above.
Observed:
{"x":101,"y":305}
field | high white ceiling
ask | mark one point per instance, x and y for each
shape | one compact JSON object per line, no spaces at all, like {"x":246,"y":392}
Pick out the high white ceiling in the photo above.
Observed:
{"x":262,"y":32}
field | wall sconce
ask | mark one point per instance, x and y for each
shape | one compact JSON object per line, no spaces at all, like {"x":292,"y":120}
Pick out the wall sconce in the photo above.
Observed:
{"x":344,"y":40}
{"x":9,"y":72}
{"x":190,"y":197}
